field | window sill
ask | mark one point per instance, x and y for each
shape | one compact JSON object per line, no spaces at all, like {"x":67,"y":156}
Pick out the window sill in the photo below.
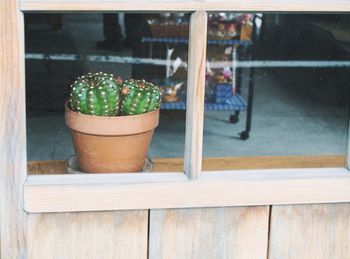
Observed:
{"x":64,"y":193}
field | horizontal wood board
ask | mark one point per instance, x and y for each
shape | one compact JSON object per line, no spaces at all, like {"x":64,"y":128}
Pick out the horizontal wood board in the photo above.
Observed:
{"x":86,"y":192}
{"x":187,"y":5}
{"x":212,"y":163}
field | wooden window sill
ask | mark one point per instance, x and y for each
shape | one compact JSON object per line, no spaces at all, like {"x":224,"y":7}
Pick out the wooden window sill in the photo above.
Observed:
{"x":327,"y":182}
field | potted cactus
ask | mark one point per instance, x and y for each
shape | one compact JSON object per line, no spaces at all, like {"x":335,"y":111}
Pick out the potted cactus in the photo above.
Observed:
{"x":112,"y":122}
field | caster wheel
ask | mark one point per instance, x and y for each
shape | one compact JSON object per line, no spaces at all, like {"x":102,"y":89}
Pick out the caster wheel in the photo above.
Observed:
{"x":244,"y":135}
{"x":234,"y":119}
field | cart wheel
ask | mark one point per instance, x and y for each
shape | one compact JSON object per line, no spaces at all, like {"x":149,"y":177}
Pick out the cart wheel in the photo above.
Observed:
{"x":244,"y":135}
{"x":234,"y":118}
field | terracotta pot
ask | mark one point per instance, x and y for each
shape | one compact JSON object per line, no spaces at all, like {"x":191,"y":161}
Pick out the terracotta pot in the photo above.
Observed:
{"x":111,"y":144}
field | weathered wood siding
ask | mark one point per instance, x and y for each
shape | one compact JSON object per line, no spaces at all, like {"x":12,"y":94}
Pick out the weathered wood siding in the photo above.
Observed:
{"x":298,"y":231}
{"x":88,"y":235}
{"x":276,"y":232}
{"x":310,"y":231}
{"x":13,"y":156}
{"x":234,"y":233}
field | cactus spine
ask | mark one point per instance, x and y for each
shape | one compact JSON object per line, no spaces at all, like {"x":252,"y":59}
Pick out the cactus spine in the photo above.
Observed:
{"x":102,"y":95}
{"x":139,"y":97}
{"x":96,"y":94}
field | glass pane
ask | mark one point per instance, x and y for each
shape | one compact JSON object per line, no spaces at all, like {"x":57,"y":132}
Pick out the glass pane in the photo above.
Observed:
{"x":276,"y":90}
{"x":61,"y":47}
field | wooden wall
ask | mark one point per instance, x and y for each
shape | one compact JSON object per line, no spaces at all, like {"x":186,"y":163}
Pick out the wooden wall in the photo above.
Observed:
{"x":319,"y":231}
{"x":277,"y":232}
{"x":293,"y":231}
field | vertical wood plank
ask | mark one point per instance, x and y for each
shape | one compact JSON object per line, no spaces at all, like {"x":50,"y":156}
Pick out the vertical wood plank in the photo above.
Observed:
{"x":195,"y":94}
{"x":232,"y":233}
{"x":319,"y":231}
{"x":12,"y":131}
{"x":88,"y":235}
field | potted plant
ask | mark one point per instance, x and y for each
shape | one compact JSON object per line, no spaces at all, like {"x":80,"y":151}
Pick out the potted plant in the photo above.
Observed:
{"x":112,"y":122}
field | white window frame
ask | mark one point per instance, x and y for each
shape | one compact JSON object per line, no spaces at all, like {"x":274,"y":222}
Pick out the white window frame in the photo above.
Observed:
{"x":191,"y":188}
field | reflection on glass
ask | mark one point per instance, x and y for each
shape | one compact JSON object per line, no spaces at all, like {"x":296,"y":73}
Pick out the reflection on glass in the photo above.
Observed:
{"x":62,"y":47}
{"x":276,"y":84}
{"x":285,"y":94}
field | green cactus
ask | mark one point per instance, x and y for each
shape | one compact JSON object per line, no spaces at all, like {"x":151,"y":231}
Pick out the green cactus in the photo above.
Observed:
{"x":96,"y":94}
{"x":139,"y":97}
{"x":102,"y":95}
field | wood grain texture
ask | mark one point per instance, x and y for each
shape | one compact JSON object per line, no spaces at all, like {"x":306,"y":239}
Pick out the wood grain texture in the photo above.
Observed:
{"x":12,"y":131}
{"x":232,"y":233}
{"x":98,"y":235}
{"x":187,"y":5}
{"x":197,"y":52}
{"x":319,"y":231}
{"x":213,"y":189}
{"x":213,"y":163}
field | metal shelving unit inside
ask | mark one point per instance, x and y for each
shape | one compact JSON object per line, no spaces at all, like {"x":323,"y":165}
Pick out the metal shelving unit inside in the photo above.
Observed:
{"x":236,"y":103}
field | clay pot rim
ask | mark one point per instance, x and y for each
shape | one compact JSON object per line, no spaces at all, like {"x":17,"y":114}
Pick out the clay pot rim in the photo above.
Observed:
{"x":111,"y":125}
{"x":116,"y":116}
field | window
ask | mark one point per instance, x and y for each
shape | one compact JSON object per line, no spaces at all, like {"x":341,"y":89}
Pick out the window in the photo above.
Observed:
{"x":60,"y":47}
{"x":284,"y":97}
{"x":53,"y":193}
